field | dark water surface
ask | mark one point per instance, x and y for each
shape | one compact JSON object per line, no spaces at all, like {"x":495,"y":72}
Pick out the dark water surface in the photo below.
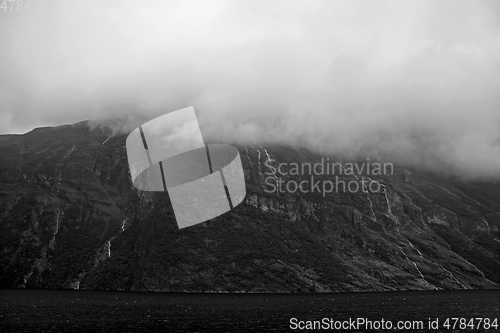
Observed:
{"x":71,"y":311}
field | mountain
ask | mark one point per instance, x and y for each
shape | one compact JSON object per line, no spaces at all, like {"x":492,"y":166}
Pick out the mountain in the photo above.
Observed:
{"x":70,"y":218}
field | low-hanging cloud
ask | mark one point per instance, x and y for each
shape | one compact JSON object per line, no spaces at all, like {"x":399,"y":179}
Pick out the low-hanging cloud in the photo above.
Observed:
{"x":415,"y":82}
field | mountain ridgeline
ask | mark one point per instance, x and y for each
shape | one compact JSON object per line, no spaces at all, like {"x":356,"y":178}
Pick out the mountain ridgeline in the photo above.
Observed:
{"x":70,"y":218}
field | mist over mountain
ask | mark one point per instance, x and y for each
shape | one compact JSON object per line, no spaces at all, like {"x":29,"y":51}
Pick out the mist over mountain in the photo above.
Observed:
{"x":414,"y":82}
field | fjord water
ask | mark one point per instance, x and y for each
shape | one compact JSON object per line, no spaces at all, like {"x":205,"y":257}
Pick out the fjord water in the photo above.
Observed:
{"x":70,"y":311}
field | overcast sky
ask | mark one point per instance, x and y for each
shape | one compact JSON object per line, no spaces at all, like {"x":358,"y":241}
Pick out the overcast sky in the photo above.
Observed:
{"x":416,"y":82}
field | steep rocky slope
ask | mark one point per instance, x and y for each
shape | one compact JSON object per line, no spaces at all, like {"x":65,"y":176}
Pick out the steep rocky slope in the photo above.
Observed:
{"x":70,"y":218}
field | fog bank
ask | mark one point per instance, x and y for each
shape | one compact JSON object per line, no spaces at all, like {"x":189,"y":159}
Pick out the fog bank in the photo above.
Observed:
{"x":415,"y":82}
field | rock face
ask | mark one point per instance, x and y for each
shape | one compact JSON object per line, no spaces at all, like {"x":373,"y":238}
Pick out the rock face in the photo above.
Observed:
{"x":70,"y":218}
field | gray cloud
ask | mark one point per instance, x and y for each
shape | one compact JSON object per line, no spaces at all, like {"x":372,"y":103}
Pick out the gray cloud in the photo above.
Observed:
{"x":415,"y":82}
